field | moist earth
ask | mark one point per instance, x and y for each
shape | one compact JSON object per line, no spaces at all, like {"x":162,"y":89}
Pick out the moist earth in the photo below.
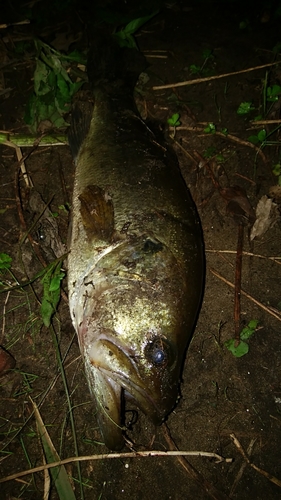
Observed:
{"x":221,"y":395}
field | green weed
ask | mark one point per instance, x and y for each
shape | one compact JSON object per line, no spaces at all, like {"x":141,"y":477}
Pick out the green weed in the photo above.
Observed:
{"x":205,"y":69}
{"x":242,"y":348}
{"x":125,"y":37}
{"x":51,"y":282}
{"x":245,"y":108}
{"x":53,"y":87}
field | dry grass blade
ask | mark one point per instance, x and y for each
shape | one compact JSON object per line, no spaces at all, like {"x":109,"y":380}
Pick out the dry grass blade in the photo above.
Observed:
{"x":59,"y":474}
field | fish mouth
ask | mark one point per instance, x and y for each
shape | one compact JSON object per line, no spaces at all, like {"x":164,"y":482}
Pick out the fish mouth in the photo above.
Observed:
{"x":113,"y":375}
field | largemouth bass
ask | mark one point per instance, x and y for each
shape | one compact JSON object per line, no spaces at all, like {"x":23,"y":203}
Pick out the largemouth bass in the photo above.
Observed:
{"x":136,"y":261}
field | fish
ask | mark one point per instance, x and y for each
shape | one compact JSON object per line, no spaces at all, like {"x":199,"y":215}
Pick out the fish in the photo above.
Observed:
{"x":136,"y":253}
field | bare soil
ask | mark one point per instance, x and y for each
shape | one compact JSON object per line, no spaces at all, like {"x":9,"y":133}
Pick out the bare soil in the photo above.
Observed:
{"x":221,"y":395}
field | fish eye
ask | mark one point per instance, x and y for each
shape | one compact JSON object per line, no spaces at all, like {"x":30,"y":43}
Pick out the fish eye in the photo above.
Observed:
{"x":159,"y":352}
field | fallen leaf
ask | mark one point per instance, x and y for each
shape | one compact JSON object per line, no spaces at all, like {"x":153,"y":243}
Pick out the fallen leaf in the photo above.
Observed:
{"x":267,"y":214}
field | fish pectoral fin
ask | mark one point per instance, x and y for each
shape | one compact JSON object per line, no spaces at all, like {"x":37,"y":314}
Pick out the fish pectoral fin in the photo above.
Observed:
{"x":97,"y":213}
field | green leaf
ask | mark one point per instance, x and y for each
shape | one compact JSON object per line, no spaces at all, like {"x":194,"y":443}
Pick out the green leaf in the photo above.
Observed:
{"x":210,"y":129}
{"x":124,"y":36}
{"x":245,"y":108}
{"x":259,"y":138}
{"x":63,"y":88}
{"x":253,"y":139}
{"x":75,"y":56}
{"x":262,"y":135}
{"x":194,"y":69}
{"x":42,"y":85}
{"x":59,"y":474}
{"x":5,"y":261}
{"x":56,"y":282}
{"x":174,"y":120}
{"x":273,"y":93}
{"x":126,"y":40}
{"x":47,"y":311}
{"x":220,"y":158}
{"x":210,"y":151}
{"x":277,"y":169}
{"x":238,"y":351}
{"x":53,"y":88}
{"x":51,"y":291}
{"x":248,"y":331}
{"x":134,"y":25}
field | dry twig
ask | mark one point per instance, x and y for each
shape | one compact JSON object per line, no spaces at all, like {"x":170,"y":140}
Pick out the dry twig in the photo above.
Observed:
{"x":277,"y":259}
{"x":242,"y":468}
{"x":230,"y":137}
{"x":208,"y":487}
{"x":270,"y":477}
{"x":138,"y":454}
{"x":237,"y":287}
{"x":259,"y":304}
{"x":209,"y":78}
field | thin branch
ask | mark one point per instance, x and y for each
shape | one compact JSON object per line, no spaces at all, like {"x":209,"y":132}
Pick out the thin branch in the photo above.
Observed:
{"x":193,"y":473}
{"x":209,"y":78}
{"x":230,"y":137}
{"x":237,"y":287}
{"x":242,"y":468}
{"x":138,"y":454}
{"x":270,"y":477}
{"x":259,"y":304}
{"x":276,"y":259}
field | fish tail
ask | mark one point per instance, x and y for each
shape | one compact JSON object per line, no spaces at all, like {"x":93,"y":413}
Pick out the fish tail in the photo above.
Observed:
{"x":108,"y":63}
{"x":109,"y":67}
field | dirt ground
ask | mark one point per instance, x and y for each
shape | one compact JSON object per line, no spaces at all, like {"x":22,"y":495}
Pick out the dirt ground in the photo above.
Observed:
{"x":221,"y":395}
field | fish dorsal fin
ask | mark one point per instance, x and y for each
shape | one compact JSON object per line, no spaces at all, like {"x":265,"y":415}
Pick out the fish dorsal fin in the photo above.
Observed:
{"x":97,"y":213}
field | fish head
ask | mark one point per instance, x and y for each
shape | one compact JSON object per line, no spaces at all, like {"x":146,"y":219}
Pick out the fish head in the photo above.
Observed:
{"x":133,"y":329}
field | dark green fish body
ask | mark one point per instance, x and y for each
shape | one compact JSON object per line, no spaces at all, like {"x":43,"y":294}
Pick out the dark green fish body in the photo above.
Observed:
{"x":136,"y":262}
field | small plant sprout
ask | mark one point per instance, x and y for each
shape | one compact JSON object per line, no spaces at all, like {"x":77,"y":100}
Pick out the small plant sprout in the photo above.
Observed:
{"x":5,"y":266}
{"x":259,"y":138}
{"x":5,"y":261}
{"x":210,"y":129}
{"x":211,"y":152}
{"x":207,"y":56}
{"x":273,"y":93}
{"x":242,"y":348}
{"x":174,"y":122}
{"x":245,"y":108}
